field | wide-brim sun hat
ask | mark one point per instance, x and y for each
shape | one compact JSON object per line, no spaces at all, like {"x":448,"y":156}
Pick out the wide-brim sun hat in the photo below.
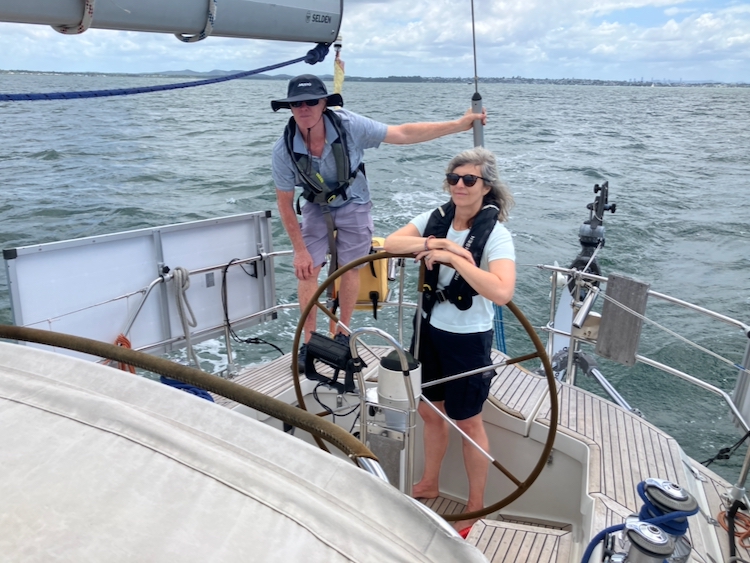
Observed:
{"x":306,"y":87}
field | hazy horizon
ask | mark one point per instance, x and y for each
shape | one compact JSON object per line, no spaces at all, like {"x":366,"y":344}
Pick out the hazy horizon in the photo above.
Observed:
{"x":652,"y":40}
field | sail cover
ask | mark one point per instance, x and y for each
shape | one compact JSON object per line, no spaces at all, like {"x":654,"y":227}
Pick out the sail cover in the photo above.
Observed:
{"x":101,"y":465}
{"x":315,"y":21}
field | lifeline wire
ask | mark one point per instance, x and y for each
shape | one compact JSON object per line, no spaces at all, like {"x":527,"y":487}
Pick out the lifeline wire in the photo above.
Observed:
{"x":678,"y":336}
{"x":314,"y":55}
{"x":745,"y":369}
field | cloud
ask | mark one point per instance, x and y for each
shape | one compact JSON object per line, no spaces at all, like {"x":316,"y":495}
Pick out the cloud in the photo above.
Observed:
{"x":675,"y":11}
{"x":604,"y":39}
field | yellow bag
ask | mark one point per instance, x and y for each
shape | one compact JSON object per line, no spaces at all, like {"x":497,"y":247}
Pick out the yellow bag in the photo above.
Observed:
{"x":373,"y":282}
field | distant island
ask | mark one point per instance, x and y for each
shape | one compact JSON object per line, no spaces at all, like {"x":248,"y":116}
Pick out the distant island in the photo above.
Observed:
{"x":422,"y":79}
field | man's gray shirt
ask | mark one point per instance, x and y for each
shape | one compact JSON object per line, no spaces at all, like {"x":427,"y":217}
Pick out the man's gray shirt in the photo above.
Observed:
{"x":362,"y":133}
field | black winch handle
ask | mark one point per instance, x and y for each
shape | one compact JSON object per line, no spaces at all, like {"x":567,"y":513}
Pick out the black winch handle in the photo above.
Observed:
{"x":374,"y":298}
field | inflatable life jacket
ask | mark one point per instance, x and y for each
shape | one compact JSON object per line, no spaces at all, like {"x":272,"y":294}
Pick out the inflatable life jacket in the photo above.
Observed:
{"x":314,"y":187}
{"x":458,"y":292}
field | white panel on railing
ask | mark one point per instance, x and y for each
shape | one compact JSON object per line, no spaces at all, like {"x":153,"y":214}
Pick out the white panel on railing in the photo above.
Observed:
{"x":93,"y":287}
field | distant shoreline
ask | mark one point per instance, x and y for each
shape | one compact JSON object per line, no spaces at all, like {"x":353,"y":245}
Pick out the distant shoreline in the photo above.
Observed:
{"x":412,"y":79}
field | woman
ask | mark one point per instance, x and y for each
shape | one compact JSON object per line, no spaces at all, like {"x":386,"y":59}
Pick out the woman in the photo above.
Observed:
{"x":470,"y":263}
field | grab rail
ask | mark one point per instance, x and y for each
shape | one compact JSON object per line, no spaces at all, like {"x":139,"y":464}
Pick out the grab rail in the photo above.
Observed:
{"x":550,"y":328}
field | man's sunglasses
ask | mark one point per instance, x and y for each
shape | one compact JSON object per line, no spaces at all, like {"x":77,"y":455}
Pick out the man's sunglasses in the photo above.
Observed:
{"x":469,"y":179}
{"x":309,"y":103}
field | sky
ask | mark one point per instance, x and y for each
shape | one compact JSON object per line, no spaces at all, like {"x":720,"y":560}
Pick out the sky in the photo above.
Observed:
{"x":688,"y":40}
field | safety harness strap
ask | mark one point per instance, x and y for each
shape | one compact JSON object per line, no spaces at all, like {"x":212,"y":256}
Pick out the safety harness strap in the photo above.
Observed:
{"x":314,"y":187}
{"x":458,"y":292}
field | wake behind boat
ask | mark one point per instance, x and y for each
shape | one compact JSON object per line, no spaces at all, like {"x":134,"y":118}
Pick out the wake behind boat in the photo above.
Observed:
{"x":581,"y":465}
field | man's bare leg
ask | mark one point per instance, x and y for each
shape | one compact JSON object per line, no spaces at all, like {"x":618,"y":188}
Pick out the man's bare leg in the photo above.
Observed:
{"x":348,"y":292}
{"x":305,"y":290}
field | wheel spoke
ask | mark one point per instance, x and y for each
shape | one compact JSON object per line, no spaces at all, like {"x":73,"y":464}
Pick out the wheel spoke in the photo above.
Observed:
{"x":520,"y":359}
{"x":327,"y":312}
{"x":507,"y":473}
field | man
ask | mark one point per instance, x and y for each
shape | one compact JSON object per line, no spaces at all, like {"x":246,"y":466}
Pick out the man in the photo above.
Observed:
{"x":321,"y":151}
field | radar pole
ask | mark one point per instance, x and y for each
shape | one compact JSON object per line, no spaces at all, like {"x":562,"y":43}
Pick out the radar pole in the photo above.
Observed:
{"x":476,"y":99}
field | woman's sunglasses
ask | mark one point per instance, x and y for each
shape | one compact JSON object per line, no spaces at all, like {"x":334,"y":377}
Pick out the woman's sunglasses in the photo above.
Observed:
{"x":309,"y":103}
{"x":468,"y":179}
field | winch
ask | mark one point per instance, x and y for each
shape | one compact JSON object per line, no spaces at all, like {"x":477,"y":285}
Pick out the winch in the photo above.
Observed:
{"x":657,"y":533}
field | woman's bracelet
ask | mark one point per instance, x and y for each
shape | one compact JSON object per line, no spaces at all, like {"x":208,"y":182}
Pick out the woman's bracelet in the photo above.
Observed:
{"x":426,"y":240}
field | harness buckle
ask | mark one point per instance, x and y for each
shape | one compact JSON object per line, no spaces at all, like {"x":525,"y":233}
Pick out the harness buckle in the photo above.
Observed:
{"x":441,"y":296}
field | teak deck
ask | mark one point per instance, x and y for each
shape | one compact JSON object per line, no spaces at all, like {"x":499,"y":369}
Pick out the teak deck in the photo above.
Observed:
{"x":624,"y":450}
{"x":515,"y":541}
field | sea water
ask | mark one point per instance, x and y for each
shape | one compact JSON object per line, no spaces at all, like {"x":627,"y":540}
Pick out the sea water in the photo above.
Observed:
{"x":675,"y":159}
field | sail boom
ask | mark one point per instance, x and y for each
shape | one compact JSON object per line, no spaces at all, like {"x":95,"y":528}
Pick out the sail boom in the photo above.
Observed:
{"x":283,"y":20}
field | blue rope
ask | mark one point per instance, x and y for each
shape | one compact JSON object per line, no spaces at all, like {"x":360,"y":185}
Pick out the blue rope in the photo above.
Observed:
{"x":192,"y":389}
{"x":499,"y":325}
{"x":674,"y":523}
{"x":313,"y":56}
{"x":598,"y":538}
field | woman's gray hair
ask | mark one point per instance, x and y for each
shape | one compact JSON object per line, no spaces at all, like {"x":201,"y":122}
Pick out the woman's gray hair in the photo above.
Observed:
{"x":499,"y":193}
